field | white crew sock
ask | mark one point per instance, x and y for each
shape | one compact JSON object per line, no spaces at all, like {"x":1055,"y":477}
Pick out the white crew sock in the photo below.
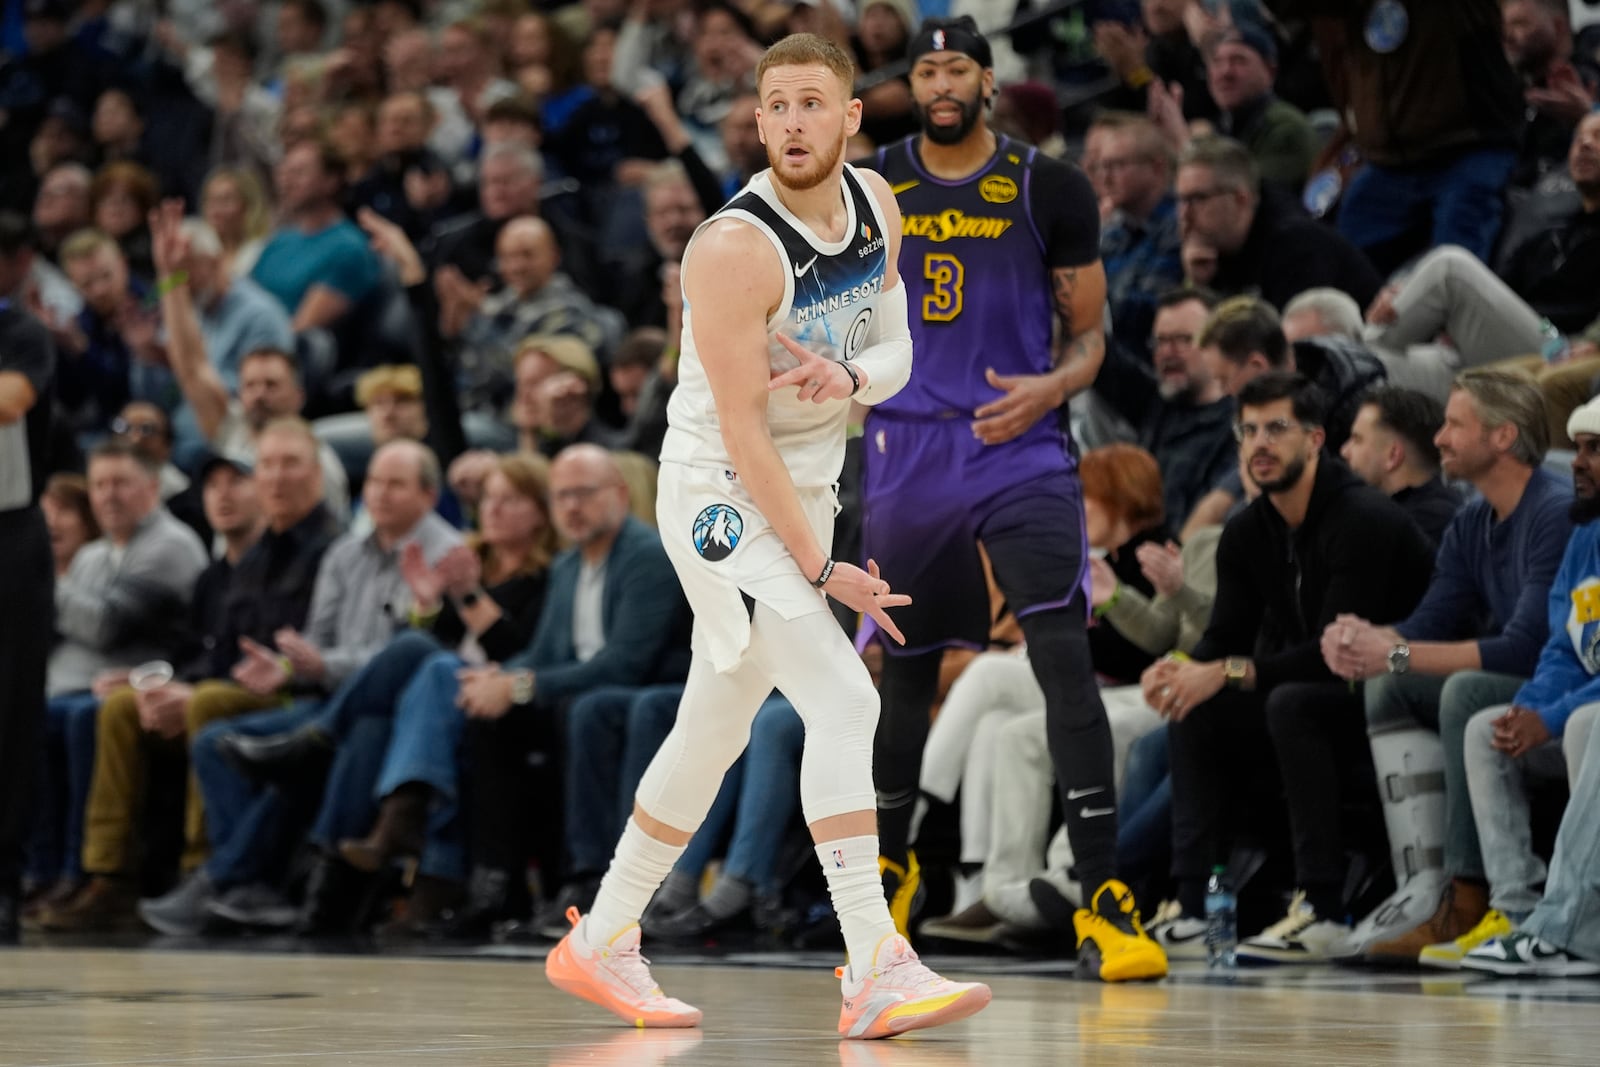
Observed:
{"x":637,"y":870}
{"x":851,"y":867}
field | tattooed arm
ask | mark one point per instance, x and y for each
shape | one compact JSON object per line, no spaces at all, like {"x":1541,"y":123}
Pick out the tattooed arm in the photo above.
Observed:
{"x":1080,"y":347}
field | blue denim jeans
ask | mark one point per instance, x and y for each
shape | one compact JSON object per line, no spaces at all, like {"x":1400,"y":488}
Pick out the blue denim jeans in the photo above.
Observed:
{"x":1459,"y":201}
{"x":759,"y":797}
{"x":252,"y":830}
{"x":61,"y":788}
{"x":1569,"y":915}
{"x":612,"y":733}
{"x":424,"y":746}
{"x":1144,"y":839}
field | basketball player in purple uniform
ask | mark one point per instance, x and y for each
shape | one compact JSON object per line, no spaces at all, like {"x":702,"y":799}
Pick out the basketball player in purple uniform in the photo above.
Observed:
{"x":1000,"y":256}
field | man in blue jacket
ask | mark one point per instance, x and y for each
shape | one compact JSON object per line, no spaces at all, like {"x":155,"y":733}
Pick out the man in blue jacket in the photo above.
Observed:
{"x":1543,"y":732}
{"x":1471,"y":643}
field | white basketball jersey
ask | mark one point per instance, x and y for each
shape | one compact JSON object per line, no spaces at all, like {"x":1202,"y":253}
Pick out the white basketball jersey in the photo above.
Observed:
{"x":830,"y":294}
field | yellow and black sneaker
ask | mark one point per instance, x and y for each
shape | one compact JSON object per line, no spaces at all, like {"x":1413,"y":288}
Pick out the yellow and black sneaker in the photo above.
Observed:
{"x":1112,"y":944}
{"x":901,"y":886}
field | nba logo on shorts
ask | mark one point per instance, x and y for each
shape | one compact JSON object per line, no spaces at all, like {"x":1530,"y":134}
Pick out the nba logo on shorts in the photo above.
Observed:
{"x":838,"y":858}
{"x":716,"y":532}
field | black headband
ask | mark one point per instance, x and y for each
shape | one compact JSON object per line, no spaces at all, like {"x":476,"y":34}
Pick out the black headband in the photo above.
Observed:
{"x":942,"y":35}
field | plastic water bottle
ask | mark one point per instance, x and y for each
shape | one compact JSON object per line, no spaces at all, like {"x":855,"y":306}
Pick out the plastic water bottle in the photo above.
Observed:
{"x":1553,"y":346}
{"x":1222,"y":923}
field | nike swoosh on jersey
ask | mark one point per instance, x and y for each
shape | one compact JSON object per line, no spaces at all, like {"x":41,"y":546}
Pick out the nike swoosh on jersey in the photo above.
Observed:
{"x":903,"y":186}
{"x":800,"y":272}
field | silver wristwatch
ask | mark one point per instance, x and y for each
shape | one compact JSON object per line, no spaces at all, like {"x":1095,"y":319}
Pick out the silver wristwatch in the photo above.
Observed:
{"x":1400,"y":659}
{"x":521,"y":687}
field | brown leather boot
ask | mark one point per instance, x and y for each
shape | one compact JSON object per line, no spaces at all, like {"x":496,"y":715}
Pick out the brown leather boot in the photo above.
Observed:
{"x":401,"y":828}
{"x":106,"y":903}
{"x":1461,"y":908}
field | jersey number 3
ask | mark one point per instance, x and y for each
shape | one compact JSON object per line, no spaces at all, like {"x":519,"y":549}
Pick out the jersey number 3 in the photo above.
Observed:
{"x":946,"y":276}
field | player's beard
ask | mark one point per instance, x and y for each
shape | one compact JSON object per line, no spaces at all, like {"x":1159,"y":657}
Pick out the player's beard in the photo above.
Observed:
{"x":824,"y":161}
{"x":971,"y":111}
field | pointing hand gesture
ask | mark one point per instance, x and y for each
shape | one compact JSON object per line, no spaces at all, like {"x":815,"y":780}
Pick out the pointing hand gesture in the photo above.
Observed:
{"x":818,"y":377}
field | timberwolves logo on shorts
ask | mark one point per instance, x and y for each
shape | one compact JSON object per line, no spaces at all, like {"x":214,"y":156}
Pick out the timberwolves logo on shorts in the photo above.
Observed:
{"x":717,"y":530}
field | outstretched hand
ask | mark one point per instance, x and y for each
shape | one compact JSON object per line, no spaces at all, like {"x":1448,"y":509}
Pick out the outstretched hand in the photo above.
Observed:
{"x":865,"y":591}
{"x":818,"y":377}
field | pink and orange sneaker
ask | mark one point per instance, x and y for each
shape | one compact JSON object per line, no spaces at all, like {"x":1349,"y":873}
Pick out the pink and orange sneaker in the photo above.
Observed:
{"x":615,"y":976}
{"x":900,"y":994}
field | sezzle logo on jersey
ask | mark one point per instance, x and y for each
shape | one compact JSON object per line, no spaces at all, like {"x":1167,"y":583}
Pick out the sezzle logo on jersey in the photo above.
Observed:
{"x":952,"y":224}
{"x":867,"y":249}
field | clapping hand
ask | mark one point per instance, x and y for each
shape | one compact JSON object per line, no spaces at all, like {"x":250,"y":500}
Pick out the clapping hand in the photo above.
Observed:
{"x":425,"y":583}
{"x":304,"y":657}
{"x":261,"y":671}
{"x":1162,"y":566}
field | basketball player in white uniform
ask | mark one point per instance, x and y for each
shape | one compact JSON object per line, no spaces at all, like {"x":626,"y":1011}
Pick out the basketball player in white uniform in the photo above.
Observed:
{"x":793,"y":307}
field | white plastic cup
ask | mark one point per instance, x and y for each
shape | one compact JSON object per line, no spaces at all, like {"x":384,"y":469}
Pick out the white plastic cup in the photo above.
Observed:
{"x":152,"y":675}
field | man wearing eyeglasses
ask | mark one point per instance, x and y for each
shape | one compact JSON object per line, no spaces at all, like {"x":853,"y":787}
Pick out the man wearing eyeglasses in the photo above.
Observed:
{"x":1256,"y":696}
{"x":1264,"y":245}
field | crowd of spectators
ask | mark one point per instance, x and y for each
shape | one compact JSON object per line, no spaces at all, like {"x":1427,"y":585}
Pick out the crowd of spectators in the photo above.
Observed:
{"x":365,"y":317}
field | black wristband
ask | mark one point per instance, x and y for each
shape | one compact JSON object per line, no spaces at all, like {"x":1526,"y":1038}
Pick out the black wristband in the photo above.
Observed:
{"x":855,"y":379}
{"x":827,"y":572}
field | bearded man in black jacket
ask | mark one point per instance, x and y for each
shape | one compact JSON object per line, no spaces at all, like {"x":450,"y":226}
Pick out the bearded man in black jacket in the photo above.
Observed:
{"x":1256,"y":696}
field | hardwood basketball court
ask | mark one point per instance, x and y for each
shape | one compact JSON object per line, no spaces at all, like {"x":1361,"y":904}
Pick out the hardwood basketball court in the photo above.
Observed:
{"x":95,"y":1007}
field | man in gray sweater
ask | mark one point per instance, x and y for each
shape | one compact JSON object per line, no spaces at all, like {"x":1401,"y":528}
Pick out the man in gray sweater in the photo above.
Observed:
{"x":123,"y":601}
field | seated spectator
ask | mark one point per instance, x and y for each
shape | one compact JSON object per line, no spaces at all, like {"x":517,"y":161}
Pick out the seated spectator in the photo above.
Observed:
{"x":672,"y":212}
{"x":613,"y":615}
{"x":557,"y":380}
{"x":628,"y":376}
{"x":1391,"y":447}
{"x":1241,"y":66}
{"x":509,"y":180}
{"x":1472,"y":642}
{"x":111,"y":353}
{"x":1543,"y":733}
{"x":147,"y":430}
{"x":882,"y":32}
{"x":69,"y":518}
{"x":235,"y":207}
{"x":483,"y":599}
{"x":1315,"y":545}
{"x":1181,"y":414}
{"x":28,"y":279}
{"x":408,"y":183}
{"x":1244,"y":338}
{"x":536,"y":299}
{"x":1332,"y":317}
{"x":236,"y":315}
{"x":1559,"y":938}
{"x":1558,"y":84}
{"x":1264,"y":244}
{"x":124,"y":601}
{"x":316,"y":263}
{"x":360,"y":600}
{"x":269,"y":589}
{"x":123,"y":135}
{"x":121,"y":199}
{"x":741,"y":143}
{"x":1175,"y":59}
{"x":1139,"y":245}
{"x":61,"y":207}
